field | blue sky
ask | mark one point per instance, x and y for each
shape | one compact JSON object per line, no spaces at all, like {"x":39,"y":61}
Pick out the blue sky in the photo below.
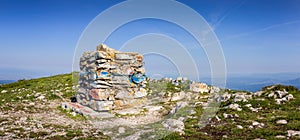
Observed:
{"x":38,"y":37}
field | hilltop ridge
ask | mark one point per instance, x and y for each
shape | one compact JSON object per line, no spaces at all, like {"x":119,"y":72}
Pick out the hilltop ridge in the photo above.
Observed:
{"x":270,"y":113}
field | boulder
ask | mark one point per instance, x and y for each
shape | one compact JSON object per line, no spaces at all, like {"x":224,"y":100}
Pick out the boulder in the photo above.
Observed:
{"x":4,"y":91}
{"x":174,"y":125}
{"x":293,"y":133}
{"x":281,"y":122}
{"x":199,"y":87}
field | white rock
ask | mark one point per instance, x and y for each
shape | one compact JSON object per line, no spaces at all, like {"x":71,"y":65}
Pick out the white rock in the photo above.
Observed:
{"x":4,"y":91}
{"x":178,"y":96}
{"x":235,"y":107}
{"x":259,"y":93}
{"x":240,"y":97}
{"x":261,"y":125}
{"x":255,"y":109}
{"x":140,"y":94}
{"x":292,"y":133}
{"x":271,"y":94}
{"x":280,"y":94}
{"x":278,"y":101}
{"x":121,"y":130}
{"x":255,"y":123}
{"x":289,"y":97}
{"x":214,"y":89}
{"x":227,"y":115}
{"x":73,"y":113}
{"x":192,"y":112}
{"x":153,"y":108}
{"x":41,"y":97}
{"x":40,"y":125}
{"x":181,"y":119}
{"x":178,"y":106}
{"x":281,"y":122}
{"x":248,"y":105}
{"x":218,"y":119}
{"x":199,"y":87}
{"x":174,"y":125}
{"x":280,"y":137}
{"x":223,"y":98}
{"x":239,"y":127}
{"x":22,"y":119}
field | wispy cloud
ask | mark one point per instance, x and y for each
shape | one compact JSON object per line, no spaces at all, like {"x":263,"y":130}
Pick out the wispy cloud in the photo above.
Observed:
{"x":260,"y":30}
{"x":227,"y":13}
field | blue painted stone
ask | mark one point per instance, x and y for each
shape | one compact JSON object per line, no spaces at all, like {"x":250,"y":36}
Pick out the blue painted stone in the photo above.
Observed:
{"x":138,"y":78}
{"x":104,"y":74}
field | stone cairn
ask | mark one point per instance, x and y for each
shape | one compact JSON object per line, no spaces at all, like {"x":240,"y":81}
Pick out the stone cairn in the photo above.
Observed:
{"x":111,"y":80}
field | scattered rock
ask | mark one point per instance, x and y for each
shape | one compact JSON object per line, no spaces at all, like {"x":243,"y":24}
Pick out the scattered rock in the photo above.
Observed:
{"x":289,"y":97}
{"x":218,"y":119}
{"x":224,"y":97}
{"x":258,"y":93}
{"x":178,"y":106}
{"x":240,"y":97}
{"x":121,"y":130}
{"x":292,"y":133}
{"x":174,"y":125}
{"x":235,"y":107}
{"x":227,"y":115}
{"x":255,"y":109}
{"x":255,"y":123}
{"x":248,"y":105}
{"x":23,"y":119}
{"x":281,"y":122}
{"x":214,"y":89}
{"x":239,"y":127}
{"x":280,"y":137}
{"x":192,"y":112}
{"x":199,"y":87}
{"x":152,"y":109}
{"x":178,"y":96}
{"x":4,"y":91}
{"x":41,"y":97}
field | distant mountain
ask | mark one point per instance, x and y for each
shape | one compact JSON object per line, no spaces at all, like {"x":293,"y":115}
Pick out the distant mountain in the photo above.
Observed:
{"x":293,"y":82}
{"x":255,"y":82}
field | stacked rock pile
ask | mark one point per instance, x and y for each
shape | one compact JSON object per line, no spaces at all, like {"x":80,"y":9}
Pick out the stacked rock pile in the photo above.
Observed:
{"x":110,"y":79}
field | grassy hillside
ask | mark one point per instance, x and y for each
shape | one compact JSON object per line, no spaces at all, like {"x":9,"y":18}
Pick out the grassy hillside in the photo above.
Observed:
{"x":30,"y":109}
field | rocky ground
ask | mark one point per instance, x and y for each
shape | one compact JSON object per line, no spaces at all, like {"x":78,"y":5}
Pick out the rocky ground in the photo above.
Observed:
{"x":30,"y":109}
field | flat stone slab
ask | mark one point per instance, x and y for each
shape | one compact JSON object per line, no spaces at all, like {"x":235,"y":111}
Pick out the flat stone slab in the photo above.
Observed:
{"x":86,"y":111}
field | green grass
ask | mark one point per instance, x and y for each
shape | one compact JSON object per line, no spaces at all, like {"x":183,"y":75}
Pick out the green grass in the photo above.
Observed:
{"x":268,"y":115}
{"x":27,"y":89}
